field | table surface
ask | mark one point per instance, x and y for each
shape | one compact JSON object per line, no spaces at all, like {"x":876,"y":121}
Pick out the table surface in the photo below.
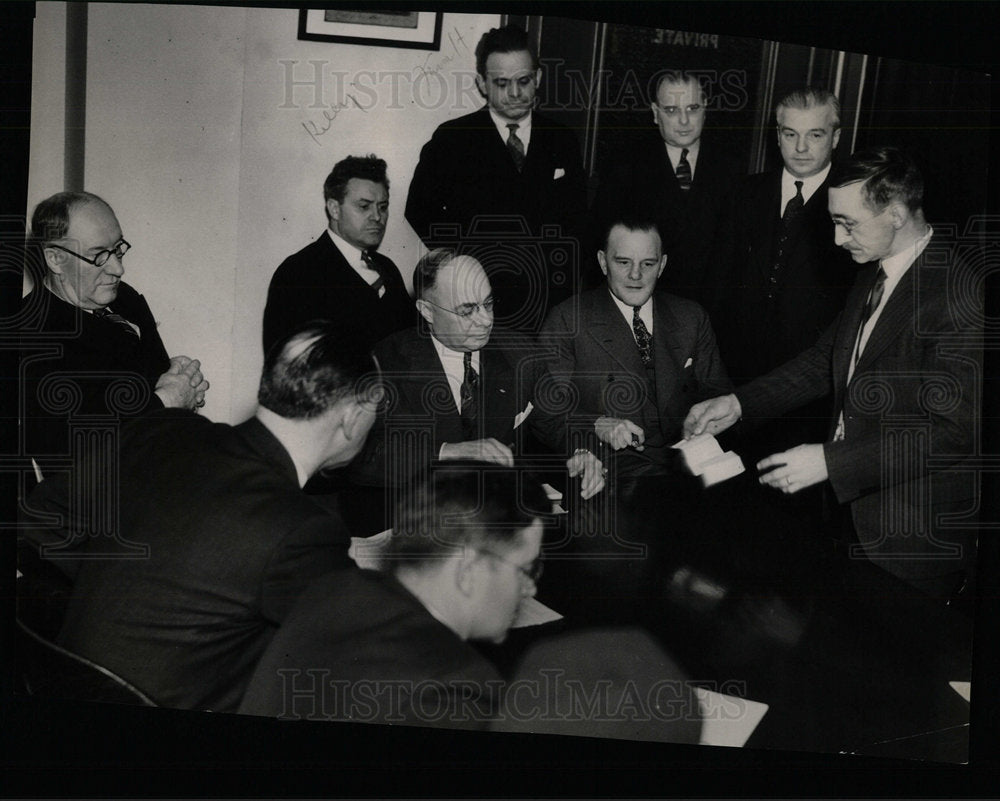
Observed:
{"x":755,"y":601}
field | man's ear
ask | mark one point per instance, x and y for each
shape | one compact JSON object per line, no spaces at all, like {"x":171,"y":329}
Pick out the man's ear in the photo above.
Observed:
{"x":538,"y":77}
{"x":54,"y":259}
{"x":899,"y":214}
{"x":333,"y":209}
{"x":836,"y":138}
{"x":663,"y":263}
{"x":603,"y":261}
{"x":481,"y":84}
{"x":351,"y":420}
{"x":425,"y":310}
{"x":656,"y":119}
{"x":466,"y":571}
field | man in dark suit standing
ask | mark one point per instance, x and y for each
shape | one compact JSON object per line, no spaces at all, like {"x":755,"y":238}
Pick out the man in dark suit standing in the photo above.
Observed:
{"x":87,"y":337}
{"x":510,"y":178}
{"x":631,"y":361}
{"x":341,"y":276}
{"x":459,"y":389}
{"x":230,"y":540}
{"x":788,"y":280}
{"x":391,"y":646}
{"x":684,"y":182}
{"x":903,"y":361}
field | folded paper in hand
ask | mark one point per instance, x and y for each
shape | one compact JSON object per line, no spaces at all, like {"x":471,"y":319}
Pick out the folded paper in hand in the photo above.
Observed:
{"x":703,"y":457}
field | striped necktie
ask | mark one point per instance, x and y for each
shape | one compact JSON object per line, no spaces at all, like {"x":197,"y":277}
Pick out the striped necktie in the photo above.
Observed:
{"x":117,"y":319}
{"x":515,"y":146}
{"x":370,"y":263}
{"x":683,"y":171}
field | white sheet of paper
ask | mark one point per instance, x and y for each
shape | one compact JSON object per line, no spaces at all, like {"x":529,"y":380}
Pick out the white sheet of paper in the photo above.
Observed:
{"x":963,"y":688}
{"x":728,"y":720}
{"x":698,"y":450}
{"x":534,"y":613}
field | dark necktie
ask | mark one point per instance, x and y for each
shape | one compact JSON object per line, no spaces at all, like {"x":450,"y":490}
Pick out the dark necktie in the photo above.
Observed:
{"x":683,"y":171}
{"x":515,"y":146}
{"x":379,"y":282}
{"x":642,"y":337}
{"x":117,"y":319}
{"x":469,"y":396}
{"x":794,"y":207}
{"x":874,"y":298}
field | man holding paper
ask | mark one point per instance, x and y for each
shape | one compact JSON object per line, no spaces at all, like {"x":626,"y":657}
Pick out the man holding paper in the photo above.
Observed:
{"x":625,"y":364}
{"x":456,"y":387}
{"x":903,"y":360}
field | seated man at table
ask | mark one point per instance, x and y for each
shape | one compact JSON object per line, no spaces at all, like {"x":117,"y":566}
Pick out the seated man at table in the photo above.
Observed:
{"x":390,"y":646}
{"x":460,"y":389}
{"x":104,"y":354}
{"x":230,"y":539}
{"x":627,"y":362}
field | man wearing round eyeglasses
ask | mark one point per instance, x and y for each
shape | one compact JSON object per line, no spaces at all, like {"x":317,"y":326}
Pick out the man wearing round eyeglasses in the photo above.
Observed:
{"x":391,"y":646}
{"x":458,"y":388}
{"x":110,"y":358}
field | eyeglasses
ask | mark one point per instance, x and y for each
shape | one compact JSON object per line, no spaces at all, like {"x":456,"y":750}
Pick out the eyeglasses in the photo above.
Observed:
{"x":851,"y":226}
{"x":467,"y":309}
{"x":102,"y":257}
{"x":533,"y":572}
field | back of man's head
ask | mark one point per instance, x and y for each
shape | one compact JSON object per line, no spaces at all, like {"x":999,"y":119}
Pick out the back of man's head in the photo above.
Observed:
{"x":310,"y":370}
{"x":509,"y":39}
{"x":462,"y":504}
{"x":888,"y":173}
{"x":51,"y":218}
{"x":365,"y":168}
{"x":806,"y":98}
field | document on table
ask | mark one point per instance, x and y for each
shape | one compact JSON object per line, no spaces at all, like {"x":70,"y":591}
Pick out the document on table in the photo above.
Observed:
{"x":963,"y":688}
{"x":728,"y":720}
{"x":367,"y":554}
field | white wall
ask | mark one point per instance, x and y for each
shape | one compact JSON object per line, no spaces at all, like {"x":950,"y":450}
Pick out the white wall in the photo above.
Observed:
{"x":196,"y":141}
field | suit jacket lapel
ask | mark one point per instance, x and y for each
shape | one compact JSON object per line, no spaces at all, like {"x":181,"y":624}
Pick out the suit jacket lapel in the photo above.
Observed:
{"x":847,"y":335}
{"x":669,"y":364}
{"x":772,"y":222}
{"x":896,"y":315}
{"x":609,"y":330}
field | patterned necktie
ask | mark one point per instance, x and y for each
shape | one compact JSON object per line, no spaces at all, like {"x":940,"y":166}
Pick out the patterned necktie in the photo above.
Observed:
{"x":469,"y":396}
{"x":379,"y":282}
{"x":515,"y":146}
{"x":683,"y":171}
{"x":117,"y":319}
{"x":874,"y":298}
{"x":642,"y":337}
{"x":794,"y":207}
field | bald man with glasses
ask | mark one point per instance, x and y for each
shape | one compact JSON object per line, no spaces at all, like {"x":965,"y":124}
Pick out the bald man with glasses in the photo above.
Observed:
{"x":89,"y":342}
{"x":457,"y":388}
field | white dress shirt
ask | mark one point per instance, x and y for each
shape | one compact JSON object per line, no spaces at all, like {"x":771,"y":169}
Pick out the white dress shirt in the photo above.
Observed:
{"x":809,"y":186}
{"x":354,"y":258}
{"x":523,"y":128}
{"x":674,"y":154}
{"x":645,"y":313}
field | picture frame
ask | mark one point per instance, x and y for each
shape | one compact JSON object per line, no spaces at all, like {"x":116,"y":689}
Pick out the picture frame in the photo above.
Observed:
{"x":417,"y":30}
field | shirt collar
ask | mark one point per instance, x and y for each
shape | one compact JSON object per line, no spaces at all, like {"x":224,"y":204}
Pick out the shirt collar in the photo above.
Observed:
{"x":349,"y":252}
{"x":645,"y":311}
{"x":523,"y":126}
{"x":809,"y":185}
{"x":452,"y":358}
{"x":896,"y":266}
{"x":674,"y":154}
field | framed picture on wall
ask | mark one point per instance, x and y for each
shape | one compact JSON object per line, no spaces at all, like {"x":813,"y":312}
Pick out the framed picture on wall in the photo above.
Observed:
{"x":419,"y":30}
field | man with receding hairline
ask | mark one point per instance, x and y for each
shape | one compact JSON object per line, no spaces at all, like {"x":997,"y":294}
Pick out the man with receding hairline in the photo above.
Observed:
{"x":109,"y":357}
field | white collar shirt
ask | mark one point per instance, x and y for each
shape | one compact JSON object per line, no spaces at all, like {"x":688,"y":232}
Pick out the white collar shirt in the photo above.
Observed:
{"x":809,"y":185}
{"x":523,"y":129}
{"x":354,"y":258}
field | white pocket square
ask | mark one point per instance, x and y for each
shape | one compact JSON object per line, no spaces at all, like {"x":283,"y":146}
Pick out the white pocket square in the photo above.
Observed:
{"x":522,"y":416}
{"x":688,"y":363}
{"x":559,"y":173}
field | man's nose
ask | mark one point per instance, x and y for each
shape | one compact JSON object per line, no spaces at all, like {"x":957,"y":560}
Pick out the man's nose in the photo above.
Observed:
{"x":635,"y":271}
{"x":378,"y":214}
{"x":839,"y":235}
{"x":801,"y":144}
{"x":114,"y":265}
{"x":482,"y":316}
{"x":684,"y":116}
{"x":514,"y":89}
{"x":528,"y":588}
